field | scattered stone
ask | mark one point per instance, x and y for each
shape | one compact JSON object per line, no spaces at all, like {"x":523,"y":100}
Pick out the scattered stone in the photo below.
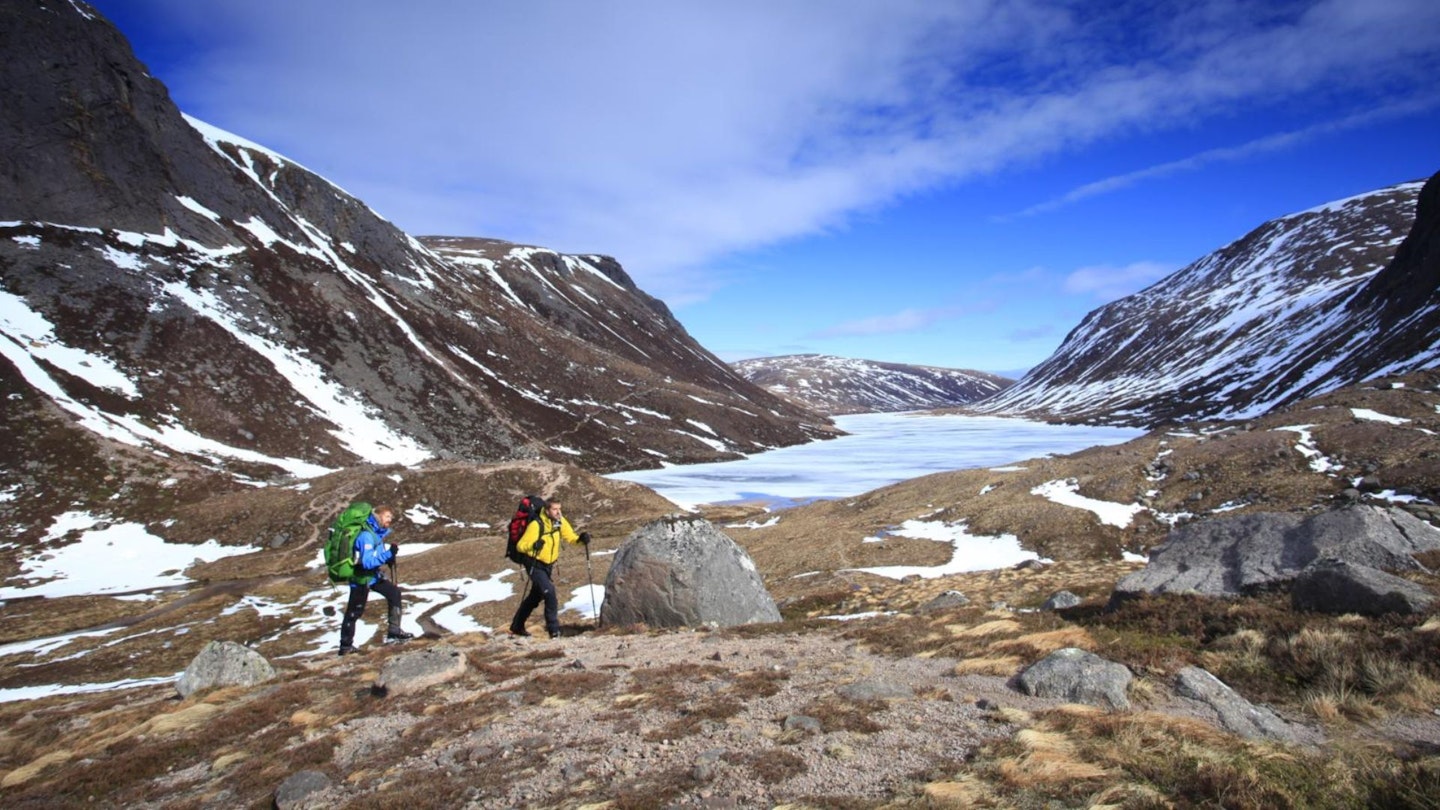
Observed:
{"x":681,"y":571}
{"x":414,"y":671}
{"x":1240,"y":554}
{"x":875,"y":690}
{"x":224,"y":663}
{"x":946,"y":600}
{"x":1060,"y":600}
{"x":1237,"y":715}
{"x":1078,"y":676}
{"x":1335,"y":586}
{"x":293,"y":792}
{"x":802,"y":723}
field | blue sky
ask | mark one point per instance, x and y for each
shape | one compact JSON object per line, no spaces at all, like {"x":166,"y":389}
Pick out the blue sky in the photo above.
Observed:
{"x":942,"y":183}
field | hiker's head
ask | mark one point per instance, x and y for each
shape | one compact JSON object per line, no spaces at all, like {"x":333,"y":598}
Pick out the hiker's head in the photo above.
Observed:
{"x":383,"y":516}
{"x":553,"y":510}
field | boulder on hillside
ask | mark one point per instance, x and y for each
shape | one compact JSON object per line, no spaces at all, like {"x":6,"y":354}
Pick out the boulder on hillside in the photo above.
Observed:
{"x":1230,"y":556}
{"x":683,"y":572}
{"x":224,"y":663}
{"x":1335,"y":586}
{"x":1078,"y":676}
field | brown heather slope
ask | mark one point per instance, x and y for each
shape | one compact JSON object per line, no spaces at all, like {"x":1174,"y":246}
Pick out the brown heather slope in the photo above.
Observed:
{"x":653,"y":719}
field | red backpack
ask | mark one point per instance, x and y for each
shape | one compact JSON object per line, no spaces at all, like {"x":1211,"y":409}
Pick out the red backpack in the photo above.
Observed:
{"x":526,"y":513}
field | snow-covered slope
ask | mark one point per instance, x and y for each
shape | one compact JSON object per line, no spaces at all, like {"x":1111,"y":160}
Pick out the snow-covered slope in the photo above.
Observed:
{"x":1283,"y":313}
{"x":839,"y":385}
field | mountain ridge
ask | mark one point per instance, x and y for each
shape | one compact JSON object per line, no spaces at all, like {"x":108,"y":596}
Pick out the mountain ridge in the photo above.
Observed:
{"x":1263,"y":321}
{"x":837,"y":385}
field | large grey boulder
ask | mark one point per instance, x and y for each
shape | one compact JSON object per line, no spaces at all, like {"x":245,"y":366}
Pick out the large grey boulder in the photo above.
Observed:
{"x":1229,"y":556}
{"x":1335,"y":586}
{"x":224,"y":663}
{"x":1237,"y":715}
{"x":422,"y":669}
{"x":1078,"y":676}
{"x":683,"y":572}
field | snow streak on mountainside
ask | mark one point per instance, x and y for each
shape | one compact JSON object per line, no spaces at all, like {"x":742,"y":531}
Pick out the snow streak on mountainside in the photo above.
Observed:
{"x":1283,"y":313}
{"x":178,"y":290}
{"x":839,"y":385}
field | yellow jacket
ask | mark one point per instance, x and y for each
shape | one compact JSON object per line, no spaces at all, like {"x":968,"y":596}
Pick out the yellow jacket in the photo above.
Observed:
{"x":544,"y":529}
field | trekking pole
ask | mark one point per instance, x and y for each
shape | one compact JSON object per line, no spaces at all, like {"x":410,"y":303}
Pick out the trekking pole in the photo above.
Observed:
{"x":590,"y":580}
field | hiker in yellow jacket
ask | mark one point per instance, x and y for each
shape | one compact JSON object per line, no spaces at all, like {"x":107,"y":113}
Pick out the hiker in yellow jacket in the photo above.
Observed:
{"x":540,"y":546}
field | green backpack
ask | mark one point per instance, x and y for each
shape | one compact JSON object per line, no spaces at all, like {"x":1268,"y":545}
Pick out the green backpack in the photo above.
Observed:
{"x":340,"y":545}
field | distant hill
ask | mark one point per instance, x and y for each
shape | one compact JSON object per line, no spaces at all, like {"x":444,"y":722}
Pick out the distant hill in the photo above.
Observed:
{"x":1302,"y":305}
{"x":839,"y":385}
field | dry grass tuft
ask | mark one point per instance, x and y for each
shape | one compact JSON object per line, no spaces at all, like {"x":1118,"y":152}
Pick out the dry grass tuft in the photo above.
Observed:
{"x":1004,"y":665}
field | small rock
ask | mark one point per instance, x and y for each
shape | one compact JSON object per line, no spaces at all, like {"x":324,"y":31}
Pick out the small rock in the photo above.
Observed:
{"x":299,"y":785}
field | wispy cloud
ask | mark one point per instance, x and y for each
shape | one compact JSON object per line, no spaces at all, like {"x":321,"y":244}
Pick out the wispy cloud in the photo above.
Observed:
{"x":673,"y":134}
{"x":1107,"y":283}
{"x":1270,"y":143}
{"x":908,"y":320}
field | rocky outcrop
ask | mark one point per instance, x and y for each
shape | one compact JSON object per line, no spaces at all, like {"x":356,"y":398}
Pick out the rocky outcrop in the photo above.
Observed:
{"x":1230,"y":556}
{"x":1078,"y":676}
{"x":1335,"y":586}
{"x":684,"y":572}
{"x":223,"y":663}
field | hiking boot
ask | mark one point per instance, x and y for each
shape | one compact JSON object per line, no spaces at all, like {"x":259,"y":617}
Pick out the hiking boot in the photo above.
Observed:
{"x":347,"y":649}
{"x":396,"y":633}
{"x":519,"y":631}
{"x":554,"y":633}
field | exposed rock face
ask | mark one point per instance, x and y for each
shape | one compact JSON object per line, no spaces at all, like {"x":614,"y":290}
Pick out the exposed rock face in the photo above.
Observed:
{"x":1335,"y":586}
{"x":840,"y":385}
{"x":1229,"y":556}
{"x":1078,"y":676}
{"x":1300,"y":306}
{"x":419,"y":670}
{"x":684,"y":572}
{"x":224,"y":663}
{"x":1237,"y":715}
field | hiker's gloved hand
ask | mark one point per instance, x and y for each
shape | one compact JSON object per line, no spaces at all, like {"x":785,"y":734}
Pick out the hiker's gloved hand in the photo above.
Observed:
{"x":584,"y":538}
{"x":394,"y":551}
{"x":537,"y":548}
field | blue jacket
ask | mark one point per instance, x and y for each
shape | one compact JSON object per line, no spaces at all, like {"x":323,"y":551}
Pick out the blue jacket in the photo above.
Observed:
{"x":371,"y":552}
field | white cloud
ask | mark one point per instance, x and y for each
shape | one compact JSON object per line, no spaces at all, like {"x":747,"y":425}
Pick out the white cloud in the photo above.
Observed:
{"x":671,"y":134}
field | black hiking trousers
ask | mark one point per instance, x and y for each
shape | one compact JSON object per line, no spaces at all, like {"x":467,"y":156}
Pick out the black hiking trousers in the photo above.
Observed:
{"x":542,"y":589}
{"x":355,"y":608}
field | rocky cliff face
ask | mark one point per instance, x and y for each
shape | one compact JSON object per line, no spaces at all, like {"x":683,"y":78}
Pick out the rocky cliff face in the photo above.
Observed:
{"x":172,"y":292}
{"x":1300,"y":306}
{"x":839,"y":385}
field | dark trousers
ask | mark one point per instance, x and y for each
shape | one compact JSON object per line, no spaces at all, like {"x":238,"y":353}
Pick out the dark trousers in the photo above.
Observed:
{"x":542,"y":589}
{"x":359,"y":595}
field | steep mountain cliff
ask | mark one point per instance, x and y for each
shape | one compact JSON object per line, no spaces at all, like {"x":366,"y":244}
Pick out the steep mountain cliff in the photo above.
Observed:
{"x":840,"y":385}
{"x":1300,"y":306}
{"x":174,"y":292}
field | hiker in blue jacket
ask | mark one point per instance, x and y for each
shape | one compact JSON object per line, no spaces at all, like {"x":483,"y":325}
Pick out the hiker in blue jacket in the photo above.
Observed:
{"x":371,"y":557}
